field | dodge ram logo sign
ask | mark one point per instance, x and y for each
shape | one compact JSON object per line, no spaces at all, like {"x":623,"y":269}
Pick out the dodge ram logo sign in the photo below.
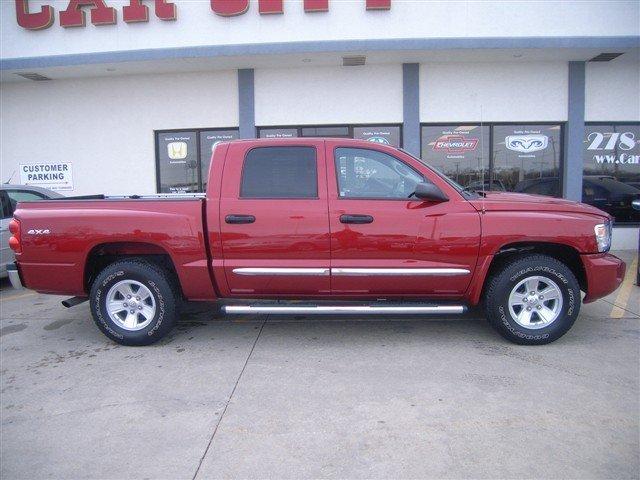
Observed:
{"x":526,"y":143}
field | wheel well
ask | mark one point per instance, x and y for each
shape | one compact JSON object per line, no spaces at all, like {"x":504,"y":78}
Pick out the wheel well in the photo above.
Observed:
{"x":105,"y":254}
{"x":563,"y":253}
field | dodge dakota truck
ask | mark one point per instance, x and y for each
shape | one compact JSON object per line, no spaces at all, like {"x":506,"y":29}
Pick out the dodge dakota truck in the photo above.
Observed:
{"x":319,"y":226}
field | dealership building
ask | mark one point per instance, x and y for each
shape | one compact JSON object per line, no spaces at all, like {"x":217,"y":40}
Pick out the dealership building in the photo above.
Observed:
{"x":131,"y":96}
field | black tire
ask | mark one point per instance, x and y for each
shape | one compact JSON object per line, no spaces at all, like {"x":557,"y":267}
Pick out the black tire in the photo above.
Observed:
{"x":514,"y":271}
{"x":165,"y":301}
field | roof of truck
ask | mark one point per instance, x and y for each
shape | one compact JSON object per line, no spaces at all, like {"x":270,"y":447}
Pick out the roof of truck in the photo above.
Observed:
{"x":310,"y":139}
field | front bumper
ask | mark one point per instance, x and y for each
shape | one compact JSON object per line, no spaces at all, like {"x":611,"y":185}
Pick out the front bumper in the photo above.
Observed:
{"x":605,"y":273}
{"x":14,"y":276}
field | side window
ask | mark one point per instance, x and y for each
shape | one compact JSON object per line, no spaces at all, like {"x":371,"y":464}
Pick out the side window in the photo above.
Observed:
{"x":280,"y":172}
{"x":366,"y":173}
{"x":16,"y":196}
{"x":6,"y":210}
{"x":23,"y":195}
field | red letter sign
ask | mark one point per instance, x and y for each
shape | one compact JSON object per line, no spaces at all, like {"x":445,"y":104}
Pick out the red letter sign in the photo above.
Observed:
{"x":33,"y":21}
{"x":378,"y":4}
{"x":73,"y":16}
{"x":229,"y":8}
{"x":270,"y":6}
{"x":137,"y":12}
{"x":316,"y":5}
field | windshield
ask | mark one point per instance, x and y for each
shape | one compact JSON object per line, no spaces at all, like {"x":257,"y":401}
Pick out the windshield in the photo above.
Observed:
{"x":466,"y":191}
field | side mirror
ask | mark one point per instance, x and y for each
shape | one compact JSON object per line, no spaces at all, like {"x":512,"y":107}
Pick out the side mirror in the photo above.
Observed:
{"x":428,"y":191}
{"x":635,"y":204}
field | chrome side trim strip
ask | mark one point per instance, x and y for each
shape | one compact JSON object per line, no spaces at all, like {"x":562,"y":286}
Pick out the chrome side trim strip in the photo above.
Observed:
{"x":399,"y":271}
{"x":329,"y":309}
{"x":281,"y":271}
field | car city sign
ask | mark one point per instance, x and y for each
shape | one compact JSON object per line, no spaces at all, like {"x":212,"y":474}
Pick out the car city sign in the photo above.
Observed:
{"x":136,"y":11}
{"x":613,"y":147}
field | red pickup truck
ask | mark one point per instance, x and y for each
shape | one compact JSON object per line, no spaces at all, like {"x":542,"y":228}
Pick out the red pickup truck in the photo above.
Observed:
{"x":317,"y":226}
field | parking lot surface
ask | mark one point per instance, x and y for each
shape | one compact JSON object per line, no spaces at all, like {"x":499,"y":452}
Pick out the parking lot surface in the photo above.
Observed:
{"x":318,"y":397}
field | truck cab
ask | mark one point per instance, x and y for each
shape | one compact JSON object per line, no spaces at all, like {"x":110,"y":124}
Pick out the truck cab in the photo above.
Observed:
{"x":340,"y":218}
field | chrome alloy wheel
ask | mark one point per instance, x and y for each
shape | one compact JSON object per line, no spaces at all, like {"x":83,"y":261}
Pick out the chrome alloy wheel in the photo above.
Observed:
{"x":130,"y":305}
{"x":535,"y":302}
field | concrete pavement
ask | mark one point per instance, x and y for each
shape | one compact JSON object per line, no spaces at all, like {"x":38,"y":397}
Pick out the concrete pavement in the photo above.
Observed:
{"x":321,"y":397}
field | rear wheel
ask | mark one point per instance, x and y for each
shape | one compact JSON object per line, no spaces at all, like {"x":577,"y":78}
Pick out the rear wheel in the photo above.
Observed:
{"x":532,"y":300}
{"x":133,"y":302}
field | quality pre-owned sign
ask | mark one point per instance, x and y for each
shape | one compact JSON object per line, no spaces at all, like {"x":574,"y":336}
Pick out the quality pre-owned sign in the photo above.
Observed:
{"x":54,"y":176}
{"x":529,"y":143}
{"x":383,"y":135}
{"x":178,"y":162}
{"x":459,"y":142}
{"x":460,"y":151}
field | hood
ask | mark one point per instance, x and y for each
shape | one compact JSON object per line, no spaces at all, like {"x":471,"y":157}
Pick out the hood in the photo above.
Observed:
{"x":507,"y":201}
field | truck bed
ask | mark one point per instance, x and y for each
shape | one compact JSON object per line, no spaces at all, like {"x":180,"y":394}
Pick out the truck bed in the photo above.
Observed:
{"x":59,"y":236}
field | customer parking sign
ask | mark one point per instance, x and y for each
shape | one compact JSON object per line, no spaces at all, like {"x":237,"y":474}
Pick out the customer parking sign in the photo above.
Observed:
{"x":54,"y":176}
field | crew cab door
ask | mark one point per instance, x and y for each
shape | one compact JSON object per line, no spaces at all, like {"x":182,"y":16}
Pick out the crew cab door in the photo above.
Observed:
{"x":274,"y":220}
{"x":387,"y":244}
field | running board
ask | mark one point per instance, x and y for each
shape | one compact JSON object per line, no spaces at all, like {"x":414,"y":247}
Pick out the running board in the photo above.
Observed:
{"x":345,"y":309}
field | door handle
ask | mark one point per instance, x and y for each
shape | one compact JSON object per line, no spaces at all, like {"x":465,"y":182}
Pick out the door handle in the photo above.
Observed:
{"x":235,"y":219}
{"x":358,"y":219}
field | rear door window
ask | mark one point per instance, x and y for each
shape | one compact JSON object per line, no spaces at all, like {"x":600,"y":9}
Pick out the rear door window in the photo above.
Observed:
{"x":280,"y":172}
{"x":16,"y":196}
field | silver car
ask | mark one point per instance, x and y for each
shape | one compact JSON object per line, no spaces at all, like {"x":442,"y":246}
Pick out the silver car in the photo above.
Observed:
{"x":10,"y":195}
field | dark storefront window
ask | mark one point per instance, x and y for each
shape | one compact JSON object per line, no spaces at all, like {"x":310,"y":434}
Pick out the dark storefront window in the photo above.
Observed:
{"x":524,"y":158}
{"x":611,"y":168}
{"x":325,"y":132}
{"x":183,"y":158}
{"x":208,"y":141}
{"x":384,"y":134}
{"x":178,"y":162}
{"x":457,"y":151}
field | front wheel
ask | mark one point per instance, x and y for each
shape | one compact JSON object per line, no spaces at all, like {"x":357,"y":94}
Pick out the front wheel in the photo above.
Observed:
{"x":532,"y":300}
{"x":133,"y":302}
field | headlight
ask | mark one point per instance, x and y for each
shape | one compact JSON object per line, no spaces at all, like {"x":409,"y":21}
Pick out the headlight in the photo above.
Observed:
{"x":603,"y":236}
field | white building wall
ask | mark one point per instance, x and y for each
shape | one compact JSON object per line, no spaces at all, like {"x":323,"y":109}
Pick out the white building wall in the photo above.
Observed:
{"x":105,"y":126}
{"x":329,"y":95}
{"x":506,"y":92}
{"x":612,"y":91}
